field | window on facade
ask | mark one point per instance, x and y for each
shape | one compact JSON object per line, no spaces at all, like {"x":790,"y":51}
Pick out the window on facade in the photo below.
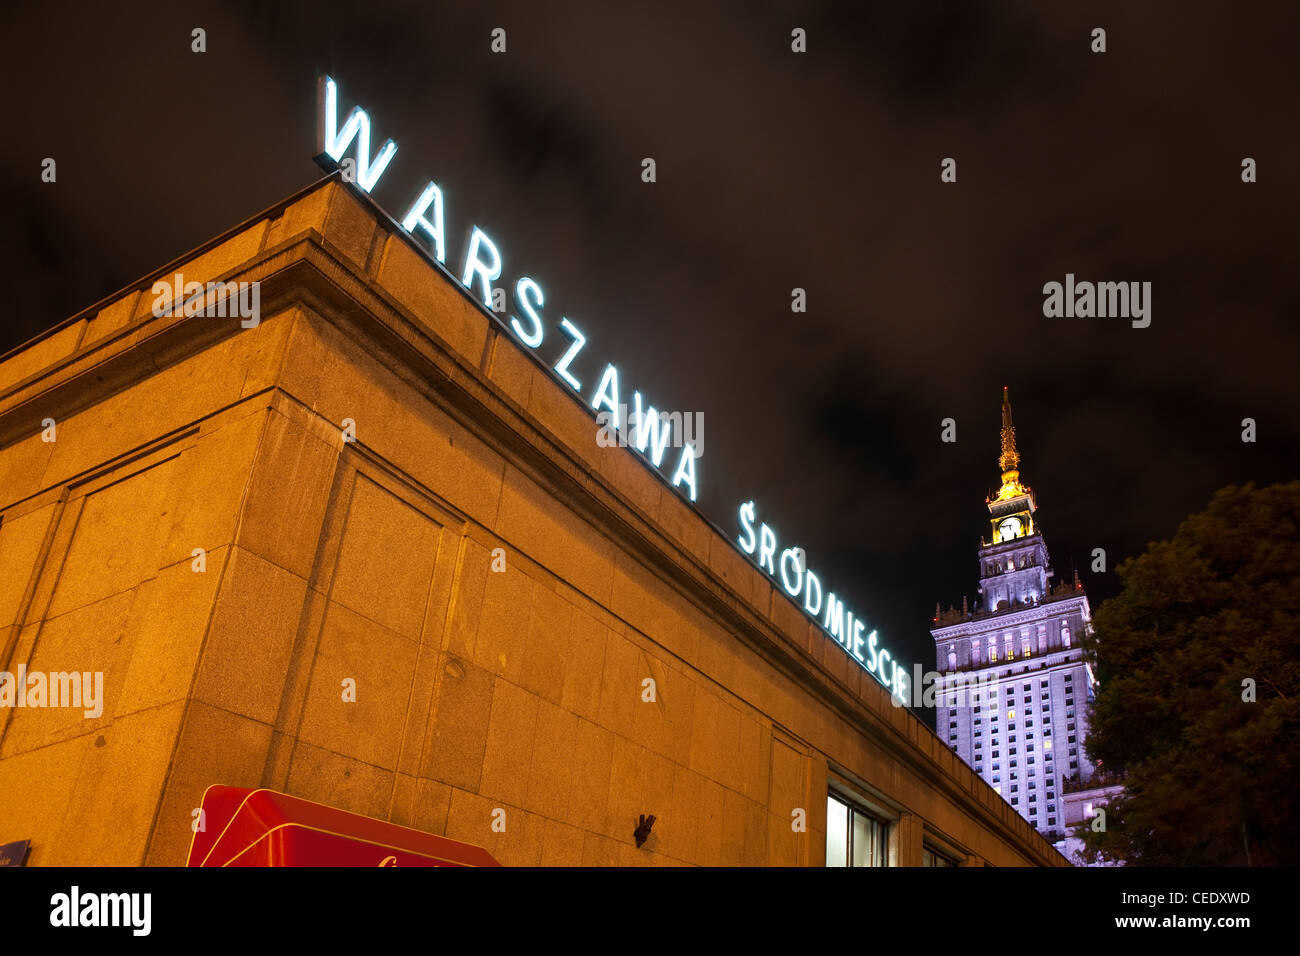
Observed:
{"x":1011,"y":715}
{"x":931,"y":857}
{"x":1051,"y":821}
{"x":853,"y":837}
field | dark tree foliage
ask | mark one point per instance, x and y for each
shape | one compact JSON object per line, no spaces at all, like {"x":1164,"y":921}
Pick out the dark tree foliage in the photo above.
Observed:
{"x":1211,"y":778}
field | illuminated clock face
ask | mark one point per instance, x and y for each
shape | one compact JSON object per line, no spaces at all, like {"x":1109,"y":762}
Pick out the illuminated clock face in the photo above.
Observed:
{"x":1009,"y":528}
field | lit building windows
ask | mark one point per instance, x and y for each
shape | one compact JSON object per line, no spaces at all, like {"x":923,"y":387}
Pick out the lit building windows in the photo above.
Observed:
{"x":853,"y":837}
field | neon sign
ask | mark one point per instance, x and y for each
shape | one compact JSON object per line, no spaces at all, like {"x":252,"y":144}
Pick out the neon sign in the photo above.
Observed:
{"x":483,"y":264}
{"x":799,"y":581}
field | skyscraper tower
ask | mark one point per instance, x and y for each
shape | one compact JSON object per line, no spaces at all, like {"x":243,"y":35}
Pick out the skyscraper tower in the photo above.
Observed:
{"x":1025,"y":734}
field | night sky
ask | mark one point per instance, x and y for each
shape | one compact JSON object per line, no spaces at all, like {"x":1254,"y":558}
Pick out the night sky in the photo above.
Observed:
{"x":775,"y":170}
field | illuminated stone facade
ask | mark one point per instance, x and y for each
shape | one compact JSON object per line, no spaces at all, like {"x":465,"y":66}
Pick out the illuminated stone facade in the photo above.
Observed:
{"x":1025,"y":735}
{"x":473,"y":606}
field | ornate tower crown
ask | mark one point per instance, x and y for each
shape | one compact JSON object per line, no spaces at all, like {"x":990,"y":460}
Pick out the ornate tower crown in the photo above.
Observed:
{"x":1009,"y":460}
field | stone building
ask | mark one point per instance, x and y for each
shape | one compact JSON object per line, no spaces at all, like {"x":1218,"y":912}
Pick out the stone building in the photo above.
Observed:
{"x":367,"y":551}
{"x":1025,"y":736}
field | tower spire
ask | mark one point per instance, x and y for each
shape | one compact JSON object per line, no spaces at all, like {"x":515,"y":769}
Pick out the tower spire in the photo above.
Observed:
{"x":1009,"y":460}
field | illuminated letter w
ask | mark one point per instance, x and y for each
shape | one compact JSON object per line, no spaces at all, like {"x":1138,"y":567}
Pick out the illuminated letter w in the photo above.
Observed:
{"x":331,"y":142}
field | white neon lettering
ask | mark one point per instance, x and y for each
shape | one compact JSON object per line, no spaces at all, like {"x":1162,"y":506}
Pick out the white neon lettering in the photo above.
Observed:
{"x":331,"y":142}
{"x":873,"y":654}
{"x":791,"y":589}
{"x":434,"y":229}
{"x":562,"y":366}
{"x":686,"y":469}
{"x":747,"y":514}
{"x":766,"y":548}
{"x":607,"y":394}
{"x":810,"y":580}
{"x":902,"y":683}
{"x":524,"y":289}
{"x":650,"y":428}
{"x":834,"y":616}
{"x":474,"y":266}
{"x":858,"y":628}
